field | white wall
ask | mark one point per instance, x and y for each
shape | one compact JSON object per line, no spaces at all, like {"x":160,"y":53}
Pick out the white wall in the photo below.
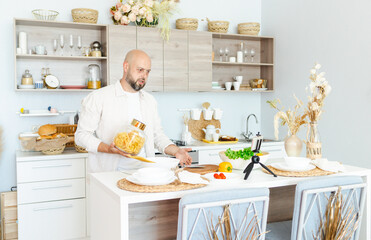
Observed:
{"x":236,"y":106}
{"x":337,"y":34}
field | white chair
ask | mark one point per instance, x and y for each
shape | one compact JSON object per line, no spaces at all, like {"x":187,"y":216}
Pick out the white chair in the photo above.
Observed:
{"x":311,"y":199}
{"x":200,"y":211}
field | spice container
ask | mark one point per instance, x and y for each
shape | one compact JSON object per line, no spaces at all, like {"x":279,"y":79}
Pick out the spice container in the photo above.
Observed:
{"x":27,"y":78}
{"x":96,"y":49}
{"x":132,"y":138}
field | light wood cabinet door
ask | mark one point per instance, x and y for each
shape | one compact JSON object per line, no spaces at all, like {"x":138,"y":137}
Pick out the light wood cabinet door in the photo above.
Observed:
{"x":200,"y":65}
{"x":150,"y":41}
{"x":176,"y":61}
{"x":121,"y":39}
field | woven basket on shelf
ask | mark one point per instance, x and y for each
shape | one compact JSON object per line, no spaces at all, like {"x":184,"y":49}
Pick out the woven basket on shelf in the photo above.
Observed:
{"x":54,"y":151}
{"x":69,"y":130}
{"x":249,"y":28}
{"x":80,"y":149}
{"x":43,"y":14}
{"x":187,"y":23}
{"x":217,"y":26}
{"x":84,"y":15}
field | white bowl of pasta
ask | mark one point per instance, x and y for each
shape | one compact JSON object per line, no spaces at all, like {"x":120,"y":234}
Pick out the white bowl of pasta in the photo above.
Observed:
{"x":162,"y":162}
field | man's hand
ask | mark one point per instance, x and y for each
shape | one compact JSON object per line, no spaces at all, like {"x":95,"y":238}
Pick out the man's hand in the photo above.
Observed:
{"x":110,"y":149}
{"x":183,"y":156}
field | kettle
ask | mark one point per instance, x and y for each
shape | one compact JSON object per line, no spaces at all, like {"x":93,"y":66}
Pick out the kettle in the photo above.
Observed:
{"x":209,"y":131}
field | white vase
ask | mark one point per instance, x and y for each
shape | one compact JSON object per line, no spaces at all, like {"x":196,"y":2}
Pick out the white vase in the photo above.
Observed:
{"x":186,"y":135}
{"x":293,"y":146}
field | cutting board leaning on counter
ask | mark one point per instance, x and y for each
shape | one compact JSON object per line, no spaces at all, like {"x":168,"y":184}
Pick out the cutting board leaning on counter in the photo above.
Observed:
{"x":126,"y":109}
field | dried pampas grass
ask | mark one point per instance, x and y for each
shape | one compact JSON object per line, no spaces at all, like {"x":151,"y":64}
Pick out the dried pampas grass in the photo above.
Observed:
{"x":249,"y":231}
{"x":339,"y":223}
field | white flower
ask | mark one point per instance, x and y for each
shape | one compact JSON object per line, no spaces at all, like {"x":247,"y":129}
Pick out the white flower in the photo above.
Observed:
{"x":317,"y":66}
{"x":132,"y":17}
{"x":142,"y":11}
{"x":149,"y":17}
{"x":117,"y":16}
{"x":135,"y":9}
{"x":313,"y":71}
{"x":328,"y":90}
{"x":125,"y":20}
{"x":131,"y":2}
{"x":322,"y":74}
{"x":125,"y":8}
{"x":148,"y":3}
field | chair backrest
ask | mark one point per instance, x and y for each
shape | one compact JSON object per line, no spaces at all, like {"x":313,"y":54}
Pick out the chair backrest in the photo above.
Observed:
{"x":311,"y":199}
{"x":199,"y":212}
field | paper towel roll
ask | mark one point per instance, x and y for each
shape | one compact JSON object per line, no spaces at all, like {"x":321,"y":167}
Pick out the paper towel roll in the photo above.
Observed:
{"x":23,"y":42}
{"x":239,"y":56}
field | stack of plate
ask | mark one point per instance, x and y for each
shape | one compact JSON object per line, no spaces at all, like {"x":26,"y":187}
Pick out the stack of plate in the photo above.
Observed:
{"x":152,"y":176}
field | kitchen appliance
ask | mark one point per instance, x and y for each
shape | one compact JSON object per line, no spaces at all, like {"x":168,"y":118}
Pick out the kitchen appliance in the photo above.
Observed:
{"x":94,"y":81}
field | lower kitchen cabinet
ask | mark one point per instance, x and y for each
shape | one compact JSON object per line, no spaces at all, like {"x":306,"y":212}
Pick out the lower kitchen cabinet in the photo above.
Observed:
{"x":51,"y":196}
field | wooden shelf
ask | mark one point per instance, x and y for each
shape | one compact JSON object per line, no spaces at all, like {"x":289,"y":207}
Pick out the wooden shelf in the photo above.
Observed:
{"x":51,"y":57}
{"x":44,"y":113}
{"x":242,"y":64}
{"x":54,"y":90}
{"x":46,"y":23}
{"x":239,"y":36}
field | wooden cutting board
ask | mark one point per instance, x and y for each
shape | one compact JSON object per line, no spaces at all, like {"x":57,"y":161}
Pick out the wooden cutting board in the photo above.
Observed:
{"x":206,"y":168}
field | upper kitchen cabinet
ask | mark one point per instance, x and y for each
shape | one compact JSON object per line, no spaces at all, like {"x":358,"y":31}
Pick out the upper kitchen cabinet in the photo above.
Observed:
{"x":149,"y":40}
{"x":199,"y":61}
{"x":121,"y":40}
{"x":176,"y":61}
{"x":66,"y":63}
{"x":256,"y":64}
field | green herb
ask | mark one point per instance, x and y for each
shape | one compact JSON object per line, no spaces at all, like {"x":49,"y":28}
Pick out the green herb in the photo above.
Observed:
{"x":245,"y":153}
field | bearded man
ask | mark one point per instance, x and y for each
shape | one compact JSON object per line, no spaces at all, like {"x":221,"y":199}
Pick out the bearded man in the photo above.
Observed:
{"x":106,"y":112}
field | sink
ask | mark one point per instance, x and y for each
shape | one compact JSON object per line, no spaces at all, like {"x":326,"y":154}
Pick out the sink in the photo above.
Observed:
{"x":264,"y":140}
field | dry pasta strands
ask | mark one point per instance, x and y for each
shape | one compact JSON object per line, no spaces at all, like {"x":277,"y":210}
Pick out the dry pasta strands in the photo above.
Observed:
{"x":130,"y":142}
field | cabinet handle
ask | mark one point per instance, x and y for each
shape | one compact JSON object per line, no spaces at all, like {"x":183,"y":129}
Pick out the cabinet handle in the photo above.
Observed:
{"x":54,"y":166}
{"x":213,"y":154}
{"x":50,"y":187}
{"x":52,"y":208}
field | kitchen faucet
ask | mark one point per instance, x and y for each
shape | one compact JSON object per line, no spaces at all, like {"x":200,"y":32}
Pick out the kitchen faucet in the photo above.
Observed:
{"x":248,"y":134}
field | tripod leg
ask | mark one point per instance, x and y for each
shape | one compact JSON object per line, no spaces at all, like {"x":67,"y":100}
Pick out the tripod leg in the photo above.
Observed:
{"x":248,"y":170}
{"x":261,"y":164}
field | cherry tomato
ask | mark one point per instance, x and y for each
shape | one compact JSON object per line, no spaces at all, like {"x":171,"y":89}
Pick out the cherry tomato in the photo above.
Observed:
{"x":222,"y":176}
{"x":216,"y":176}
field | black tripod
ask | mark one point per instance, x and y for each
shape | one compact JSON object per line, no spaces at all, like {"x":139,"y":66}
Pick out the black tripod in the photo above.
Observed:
{"x":255,"y":147}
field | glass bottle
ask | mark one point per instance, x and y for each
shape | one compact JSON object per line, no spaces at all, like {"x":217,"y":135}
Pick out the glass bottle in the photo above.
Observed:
{"x":131,"y":140}
{"x":314,"y":145}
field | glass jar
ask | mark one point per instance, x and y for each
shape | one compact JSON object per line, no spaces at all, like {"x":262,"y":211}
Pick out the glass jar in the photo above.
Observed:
{"x":131,"y":140}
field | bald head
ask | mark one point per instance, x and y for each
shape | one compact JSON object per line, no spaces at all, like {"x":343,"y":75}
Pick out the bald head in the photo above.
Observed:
{"x":137,"y":65}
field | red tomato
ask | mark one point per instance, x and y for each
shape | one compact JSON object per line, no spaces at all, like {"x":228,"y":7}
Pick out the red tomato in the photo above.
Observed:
{"x":222,"y":176}
{"x":216,"y":176}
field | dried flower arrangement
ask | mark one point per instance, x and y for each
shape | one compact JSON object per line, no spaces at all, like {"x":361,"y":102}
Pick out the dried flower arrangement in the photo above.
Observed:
{"x":293,"y":118}
{"x":339,"y":223}
{"x":145,"y":13}
{"x":319,"y":89}
{"x":249,"y":231}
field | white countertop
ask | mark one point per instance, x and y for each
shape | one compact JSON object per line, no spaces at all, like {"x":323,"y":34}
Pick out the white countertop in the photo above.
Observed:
{"x":34,"y":156}
{"x":108,"y":180}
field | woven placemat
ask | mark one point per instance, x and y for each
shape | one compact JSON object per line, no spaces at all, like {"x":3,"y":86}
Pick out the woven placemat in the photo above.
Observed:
{"x":196,"y":126}
{"x":172,"y":187}
{"x":311,"y":173}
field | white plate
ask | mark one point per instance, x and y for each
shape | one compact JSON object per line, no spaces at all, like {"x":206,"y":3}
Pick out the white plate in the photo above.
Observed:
{"x":147,"y":182}
{"x":284,"y":167}
{"x":228,"y":176}
{"x":259,"y":89}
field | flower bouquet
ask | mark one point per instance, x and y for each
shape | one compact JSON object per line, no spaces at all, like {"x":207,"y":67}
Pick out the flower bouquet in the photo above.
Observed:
{"x":147,"y":13}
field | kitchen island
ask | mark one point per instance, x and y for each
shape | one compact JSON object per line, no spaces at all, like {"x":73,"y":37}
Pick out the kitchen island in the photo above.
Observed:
{"x":119,"y":214}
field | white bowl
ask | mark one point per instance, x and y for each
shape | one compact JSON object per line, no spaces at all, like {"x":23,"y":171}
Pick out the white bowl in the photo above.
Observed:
{"x":241,"y":163}
{"x":297,"y":162}
{"x":162,"y":162}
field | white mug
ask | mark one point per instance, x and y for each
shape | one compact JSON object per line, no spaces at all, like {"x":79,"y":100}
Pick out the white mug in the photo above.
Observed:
{"x":218,"y":113}
{"x":40,"y":50}
{"x":232,"y":59}
{"x":215,"y":137}
{"x":228,"y":86}
{"x":208,"y":114}
{"x":236,"y":86}
{"x":39,"y":84}
{"x":238,"y":78}
{"x":195,"y":113}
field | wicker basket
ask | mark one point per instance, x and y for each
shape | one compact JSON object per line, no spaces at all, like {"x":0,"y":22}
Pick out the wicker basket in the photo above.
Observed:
{"x":218,"y":26}
{"x":69,"y":130}
{"x":54,"y":151}
{"x":187,"y":23}
{"x":42,"y":14}
{"x":84,"y":15}
{"x":249,"y":28}
{"x":80,"y":149}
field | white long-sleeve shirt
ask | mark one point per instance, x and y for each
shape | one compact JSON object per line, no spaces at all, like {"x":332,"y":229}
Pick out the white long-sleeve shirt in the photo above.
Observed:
{"x":104,"y":113}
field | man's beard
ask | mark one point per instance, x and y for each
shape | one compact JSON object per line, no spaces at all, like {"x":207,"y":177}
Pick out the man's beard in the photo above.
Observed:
{"x":134,"y":84}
